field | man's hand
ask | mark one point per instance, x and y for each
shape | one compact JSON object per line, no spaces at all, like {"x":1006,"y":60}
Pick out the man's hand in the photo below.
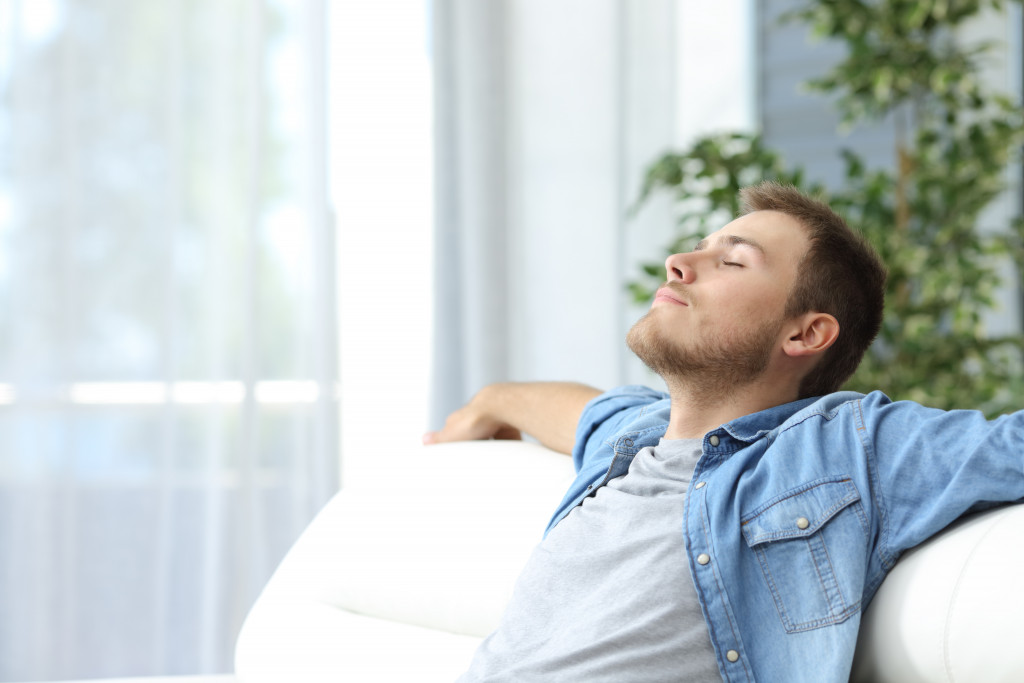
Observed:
{"x":475,"y":421}
{"x":548,"y":411}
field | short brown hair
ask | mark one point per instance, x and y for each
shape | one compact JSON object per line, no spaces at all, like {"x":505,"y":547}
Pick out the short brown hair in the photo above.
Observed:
{"x":841,"y":274}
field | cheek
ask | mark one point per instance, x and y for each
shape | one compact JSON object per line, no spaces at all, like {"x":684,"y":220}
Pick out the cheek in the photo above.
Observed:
{"x":752,"y":311}
{"x":765,"y":298}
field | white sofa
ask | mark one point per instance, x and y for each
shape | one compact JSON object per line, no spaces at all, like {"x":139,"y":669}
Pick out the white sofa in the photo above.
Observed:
{"x":399,"y":580}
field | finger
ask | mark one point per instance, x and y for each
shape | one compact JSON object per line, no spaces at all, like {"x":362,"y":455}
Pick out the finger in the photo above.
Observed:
{"x":449,"y":433}
{"x":508,"y":434}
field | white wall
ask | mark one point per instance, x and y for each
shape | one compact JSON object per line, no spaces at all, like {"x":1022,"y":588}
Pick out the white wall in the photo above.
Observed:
{"x":381,"y":187}
{"x":597,"y":90}
{"x":565,"y":173}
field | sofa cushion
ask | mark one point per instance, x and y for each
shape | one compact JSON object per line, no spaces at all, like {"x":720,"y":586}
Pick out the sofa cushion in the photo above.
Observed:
{"x":441,"y":542}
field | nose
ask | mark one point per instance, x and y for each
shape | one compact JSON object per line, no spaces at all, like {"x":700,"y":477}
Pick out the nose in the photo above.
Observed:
{"x":680,"y":267}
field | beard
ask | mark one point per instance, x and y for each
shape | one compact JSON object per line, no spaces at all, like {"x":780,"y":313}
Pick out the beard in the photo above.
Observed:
{"x":718,"y":365}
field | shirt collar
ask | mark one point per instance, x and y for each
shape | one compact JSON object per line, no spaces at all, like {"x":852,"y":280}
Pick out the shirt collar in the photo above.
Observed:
{"x":752,"y":427}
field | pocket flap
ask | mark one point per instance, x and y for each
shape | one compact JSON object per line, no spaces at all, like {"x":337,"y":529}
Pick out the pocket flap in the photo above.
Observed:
{"x":800,"y":511}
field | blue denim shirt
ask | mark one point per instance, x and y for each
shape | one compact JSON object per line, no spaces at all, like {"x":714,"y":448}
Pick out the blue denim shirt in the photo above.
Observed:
{"x":795,"y":514}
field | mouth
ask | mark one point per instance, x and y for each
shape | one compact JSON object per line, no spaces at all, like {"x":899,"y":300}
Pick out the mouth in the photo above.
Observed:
{"x":667,"y":295}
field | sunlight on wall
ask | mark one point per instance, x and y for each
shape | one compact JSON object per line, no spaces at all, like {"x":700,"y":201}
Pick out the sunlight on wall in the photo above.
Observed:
{"x":381,"y":186}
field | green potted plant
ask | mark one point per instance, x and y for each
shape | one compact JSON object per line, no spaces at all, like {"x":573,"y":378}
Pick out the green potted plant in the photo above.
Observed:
{"x":954,"y":138}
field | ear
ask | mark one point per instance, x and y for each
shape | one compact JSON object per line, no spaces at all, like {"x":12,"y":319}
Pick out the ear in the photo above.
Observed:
{"x":810,"y":334}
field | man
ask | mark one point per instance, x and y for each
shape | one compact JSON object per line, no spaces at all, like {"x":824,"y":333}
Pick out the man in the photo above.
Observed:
{"x":736,"y":528}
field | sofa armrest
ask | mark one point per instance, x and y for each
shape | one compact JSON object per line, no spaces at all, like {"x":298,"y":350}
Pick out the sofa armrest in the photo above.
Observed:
{"x":952,"y":609}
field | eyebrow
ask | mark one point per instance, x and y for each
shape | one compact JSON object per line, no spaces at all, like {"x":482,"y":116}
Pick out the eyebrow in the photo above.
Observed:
{"x":732,"y":240}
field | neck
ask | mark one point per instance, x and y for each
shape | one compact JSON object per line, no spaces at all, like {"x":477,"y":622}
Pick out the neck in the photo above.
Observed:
{"x":699,"y":407}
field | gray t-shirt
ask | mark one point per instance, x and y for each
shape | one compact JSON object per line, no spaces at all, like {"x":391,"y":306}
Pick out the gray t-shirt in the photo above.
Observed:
{"x":607,"y":596}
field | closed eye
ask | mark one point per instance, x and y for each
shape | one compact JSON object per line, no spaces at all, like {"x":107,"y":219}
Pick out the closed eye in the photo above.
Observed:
{"x":730,"y":263}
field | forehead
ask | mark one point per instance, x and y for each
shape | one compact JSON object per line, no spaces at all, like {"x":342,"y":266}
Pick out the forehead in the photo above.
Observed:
{"x":778,"y":236}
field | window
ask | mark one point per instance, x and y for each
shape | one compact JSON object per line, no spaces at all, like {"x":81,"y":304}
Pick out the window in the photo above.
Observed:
{"x":168,"y":371}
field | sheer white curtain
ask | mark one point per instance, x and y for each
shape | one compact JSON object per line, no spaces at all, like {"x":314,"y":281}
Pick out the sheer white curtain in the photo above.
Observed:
{"x":167,"y":338}
{"x":471,"y":198}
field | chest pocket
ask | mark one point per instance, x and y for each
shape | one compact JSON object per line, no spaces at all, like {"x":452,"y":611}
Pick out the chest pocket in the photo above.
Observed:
{"x":811,"y":543}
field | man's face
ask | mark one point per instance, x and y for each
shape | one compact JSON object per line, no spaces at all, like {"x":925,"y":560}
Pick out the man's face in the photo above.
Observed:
{"x":719,"y":317}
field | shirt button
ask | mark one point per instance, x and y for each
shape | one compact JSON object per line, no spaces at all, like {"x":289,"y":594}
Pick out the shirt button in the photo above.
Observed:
{"x":714,"y":440}
{"x":628,"y":442}
{"x":703,"y":558}
{"x":802,"y":523}
{"x":732,"y":655}
{"x":700,"y":485}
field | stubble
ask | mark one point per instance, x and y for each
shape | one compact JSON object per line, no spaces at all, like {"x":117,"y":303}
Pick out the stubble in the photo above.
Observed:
{"x":715,"y":365}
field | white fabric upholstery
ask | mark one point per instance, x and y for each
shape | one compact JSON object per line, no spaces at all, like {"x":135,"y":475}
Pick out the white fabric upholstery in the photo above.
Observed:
{"x":399,"y":580}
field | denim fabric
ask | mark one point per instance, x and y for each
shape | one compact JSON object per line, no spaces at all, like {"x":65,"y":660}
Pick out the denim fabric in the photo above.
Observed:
{"x":795,"y":514}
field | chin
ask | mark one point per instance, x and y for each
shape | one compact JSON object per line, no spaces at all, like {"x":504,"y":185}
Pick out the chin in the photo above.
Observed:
{"x":650,"y":345}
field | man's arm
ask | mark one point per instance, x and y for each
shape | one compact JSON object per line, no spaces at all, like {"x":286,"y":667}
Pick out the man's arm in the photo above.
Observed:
{"x":547,"y":411}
